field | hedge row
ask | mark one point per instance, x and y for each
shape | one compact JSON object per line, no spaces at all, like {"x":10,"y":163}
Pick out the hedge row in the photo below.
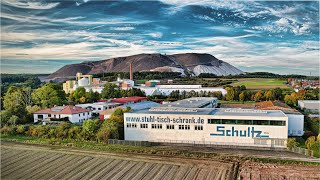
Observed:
{"x":93,"y":130}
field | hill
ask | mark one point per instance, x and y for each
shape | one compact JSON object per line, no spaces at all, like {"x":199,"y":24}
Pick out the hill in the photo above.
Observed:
{"x":189,"y":62}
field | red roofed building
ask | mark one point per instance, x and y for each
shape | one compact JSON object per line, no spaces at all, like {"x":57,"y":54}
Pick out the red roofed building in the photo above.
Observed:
{"x":72,"y":113}
{"x":129,"y":100}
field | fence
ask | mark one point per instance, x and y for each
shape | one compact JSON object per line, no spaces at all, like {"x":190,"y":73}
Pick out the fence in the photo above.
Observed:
{"x":218,"y":145}
{"x":303,"y":151}
{"x":129,"y":143}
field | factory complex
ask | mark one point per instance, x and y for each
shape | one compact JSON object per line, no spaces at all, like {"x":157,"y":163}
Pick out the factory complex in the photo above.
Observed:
{"x":198,"y":121}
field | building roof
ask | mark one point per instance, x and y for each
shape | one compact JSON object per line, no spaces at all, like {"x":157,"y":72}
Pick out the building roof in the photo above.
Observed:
{"x":134,"y":106}
{"x":63,"y":110}
{"x":276,"y":105}
{"x":125,"y":100}
{"x":98,"y":103}
{"x":195,"y":102}
{"x":212,"y":111}
{"x":265,"y":105}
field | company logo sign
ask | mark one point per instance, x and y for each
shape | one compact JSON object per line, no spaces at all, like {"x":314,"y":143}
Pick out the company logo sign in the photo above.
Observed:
{"x":233,"y":132}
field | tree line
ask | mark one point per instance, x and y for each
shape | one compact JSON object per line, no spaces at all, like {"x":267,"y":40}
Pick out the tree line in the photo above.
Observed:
{"x":90,"y":130}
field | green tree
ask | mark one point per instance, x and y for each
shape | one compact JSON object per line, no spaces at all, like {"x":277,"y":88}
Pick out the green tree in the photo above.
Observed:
{"x":4,"y":117}
{"x":258,"y":96}
{"x":77,"y":94}
{"x":13,"y":102}
{"x":230,"y":93}
{"x":269,"y":95}
{"x":310,"y":141}
{"x":277,"y":93}
{"x":47,"y":96}
{"x":242,"y":96}
{"x":291,"y":143}
{"x":89,"y":129}
{"x":91,"y":96}
{"x":110,"y":90}
{"x":13,"y":120}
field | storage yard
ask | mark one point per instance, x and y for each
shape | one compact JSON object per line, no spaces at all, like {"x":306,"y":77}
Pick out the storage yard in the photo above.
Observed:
{"x":52,"y":162}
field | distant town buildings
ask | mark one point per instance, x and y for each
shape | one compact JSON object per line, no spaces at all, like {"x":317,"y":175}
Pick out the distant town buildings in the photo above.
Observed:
{"x":73,"y":114}
{"x":86,"y":81}
{"x":300,"y":84}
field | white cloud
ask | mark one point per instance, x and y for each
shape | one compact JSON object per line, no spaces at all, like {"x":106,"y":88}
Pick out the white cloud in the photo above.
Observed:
{"x":29,"y":5}
{"x":155,"y":34}
{"x":124,"y":28}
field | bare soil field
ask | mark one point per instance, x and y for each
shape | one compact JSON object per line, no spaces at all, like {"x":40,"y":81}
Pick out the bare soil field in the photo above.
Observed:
{"x":39,"y":162}
{"x":30,"y":161}
{"x":252,"y":170}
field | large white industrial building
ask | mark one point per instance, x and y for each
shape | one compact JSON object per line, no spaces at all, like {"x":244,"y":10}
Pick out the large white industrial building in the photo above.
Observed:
{"x":242,"y":127}
{"x":167,"y":89}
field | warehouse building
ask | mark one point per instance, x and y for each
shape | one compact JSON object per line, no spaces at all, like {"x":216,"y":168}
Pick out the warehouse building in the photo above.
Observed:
{"x":312,"y":106}
{"x":196,"y":125}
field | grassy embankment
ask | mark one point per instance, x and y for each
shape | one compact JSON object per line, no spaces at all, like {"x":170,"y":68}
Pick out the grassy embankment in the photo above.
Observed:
{"x":260,"y":83}
{"x":92,"y":145}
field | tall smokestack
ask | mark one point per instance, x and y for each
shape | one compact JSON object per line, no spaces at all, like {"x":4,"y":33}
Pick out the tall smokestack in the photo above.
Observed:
{"x":131,"y":73}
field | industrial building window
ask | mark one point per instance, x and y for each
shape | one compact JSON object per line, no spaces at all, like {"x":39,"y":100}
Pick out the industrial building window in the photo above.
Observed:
{"x":229,"y":121}
{"x":131,"y":125}
{"x":244,"y":122}
{"x":170,"y":126}
{"x":277,"y":123}
{"x":79,"y":115}
{"x":260,"y":122}
{"x":156,"y":126}
{"x":144,"y":126}
{"x":214,"y":121}
{"x":99,"y":108}
{"x":198,"y":127}
{"x":184,"y":127}
{"x":84,"y":113}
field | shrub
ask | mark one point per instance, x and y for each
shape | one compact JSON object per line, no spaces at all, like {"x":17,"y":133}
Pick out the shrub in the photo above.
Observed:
{"x":62,"y":130}
{"x":75,"y":132}
{"x":103,"y":135}
{"x":52,"y":133}
{"x":291,"y":143}
{"x":42,"y":131}
{"x":89,"y":129}
{"x":21,"y":129}
{"x":316,"y":149}
{"x":310,"y":141}
{"x":7,"y":130}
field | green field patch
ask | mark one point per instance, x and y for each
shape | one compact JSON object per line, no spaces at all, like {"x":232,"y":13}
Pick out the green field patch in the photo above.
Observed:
{"x":260,"y":83}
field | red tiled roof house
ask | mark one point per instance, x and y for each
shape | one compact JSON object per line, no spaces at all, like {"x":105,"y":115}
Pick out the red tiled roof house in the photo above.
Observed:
{"x":73,"y":113}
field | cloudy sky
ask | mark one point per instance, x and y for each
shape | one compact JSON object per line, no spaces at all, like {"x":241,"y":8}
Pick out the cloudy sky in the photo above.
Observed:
{"x":42,"y":36}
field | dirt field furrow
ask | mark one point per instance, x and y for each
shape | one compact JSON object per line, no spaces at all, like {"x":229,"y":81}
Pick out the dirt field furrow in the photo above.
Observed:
{"x":124,"y":171}
{"x":54,"y":168}
{"x":21,"y":169}
{"x":105,"y":170}
{"x":114,"y":170}
{"x":22,"y":163}
{"x":30,"y":173}
{"x":182,"y":172}
{"x":135,"y":169}
{"x":68,"y":169}
{"x":152,"y":172}
{"x":162,"y":173}
{"x":10,"y":162}
{"x":171,"y":173}
{"x":142,"y":172}
{"x":81,"y":168}
{"x":96,"y":170}
{"x":87,"y":169}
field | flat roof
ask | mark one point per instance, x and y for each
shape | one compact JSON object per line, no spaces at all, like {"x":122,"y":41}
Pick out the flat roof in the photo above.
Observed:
{"x":309,"y":101}
{"x":194,"y":102}
{"x":212,"y":111}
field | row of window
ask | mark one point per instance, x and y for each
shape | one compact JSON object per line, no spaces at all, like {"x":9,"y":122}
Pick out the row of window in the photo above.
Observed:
{"x":168,"y":126}
{"x":247,"y":122}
